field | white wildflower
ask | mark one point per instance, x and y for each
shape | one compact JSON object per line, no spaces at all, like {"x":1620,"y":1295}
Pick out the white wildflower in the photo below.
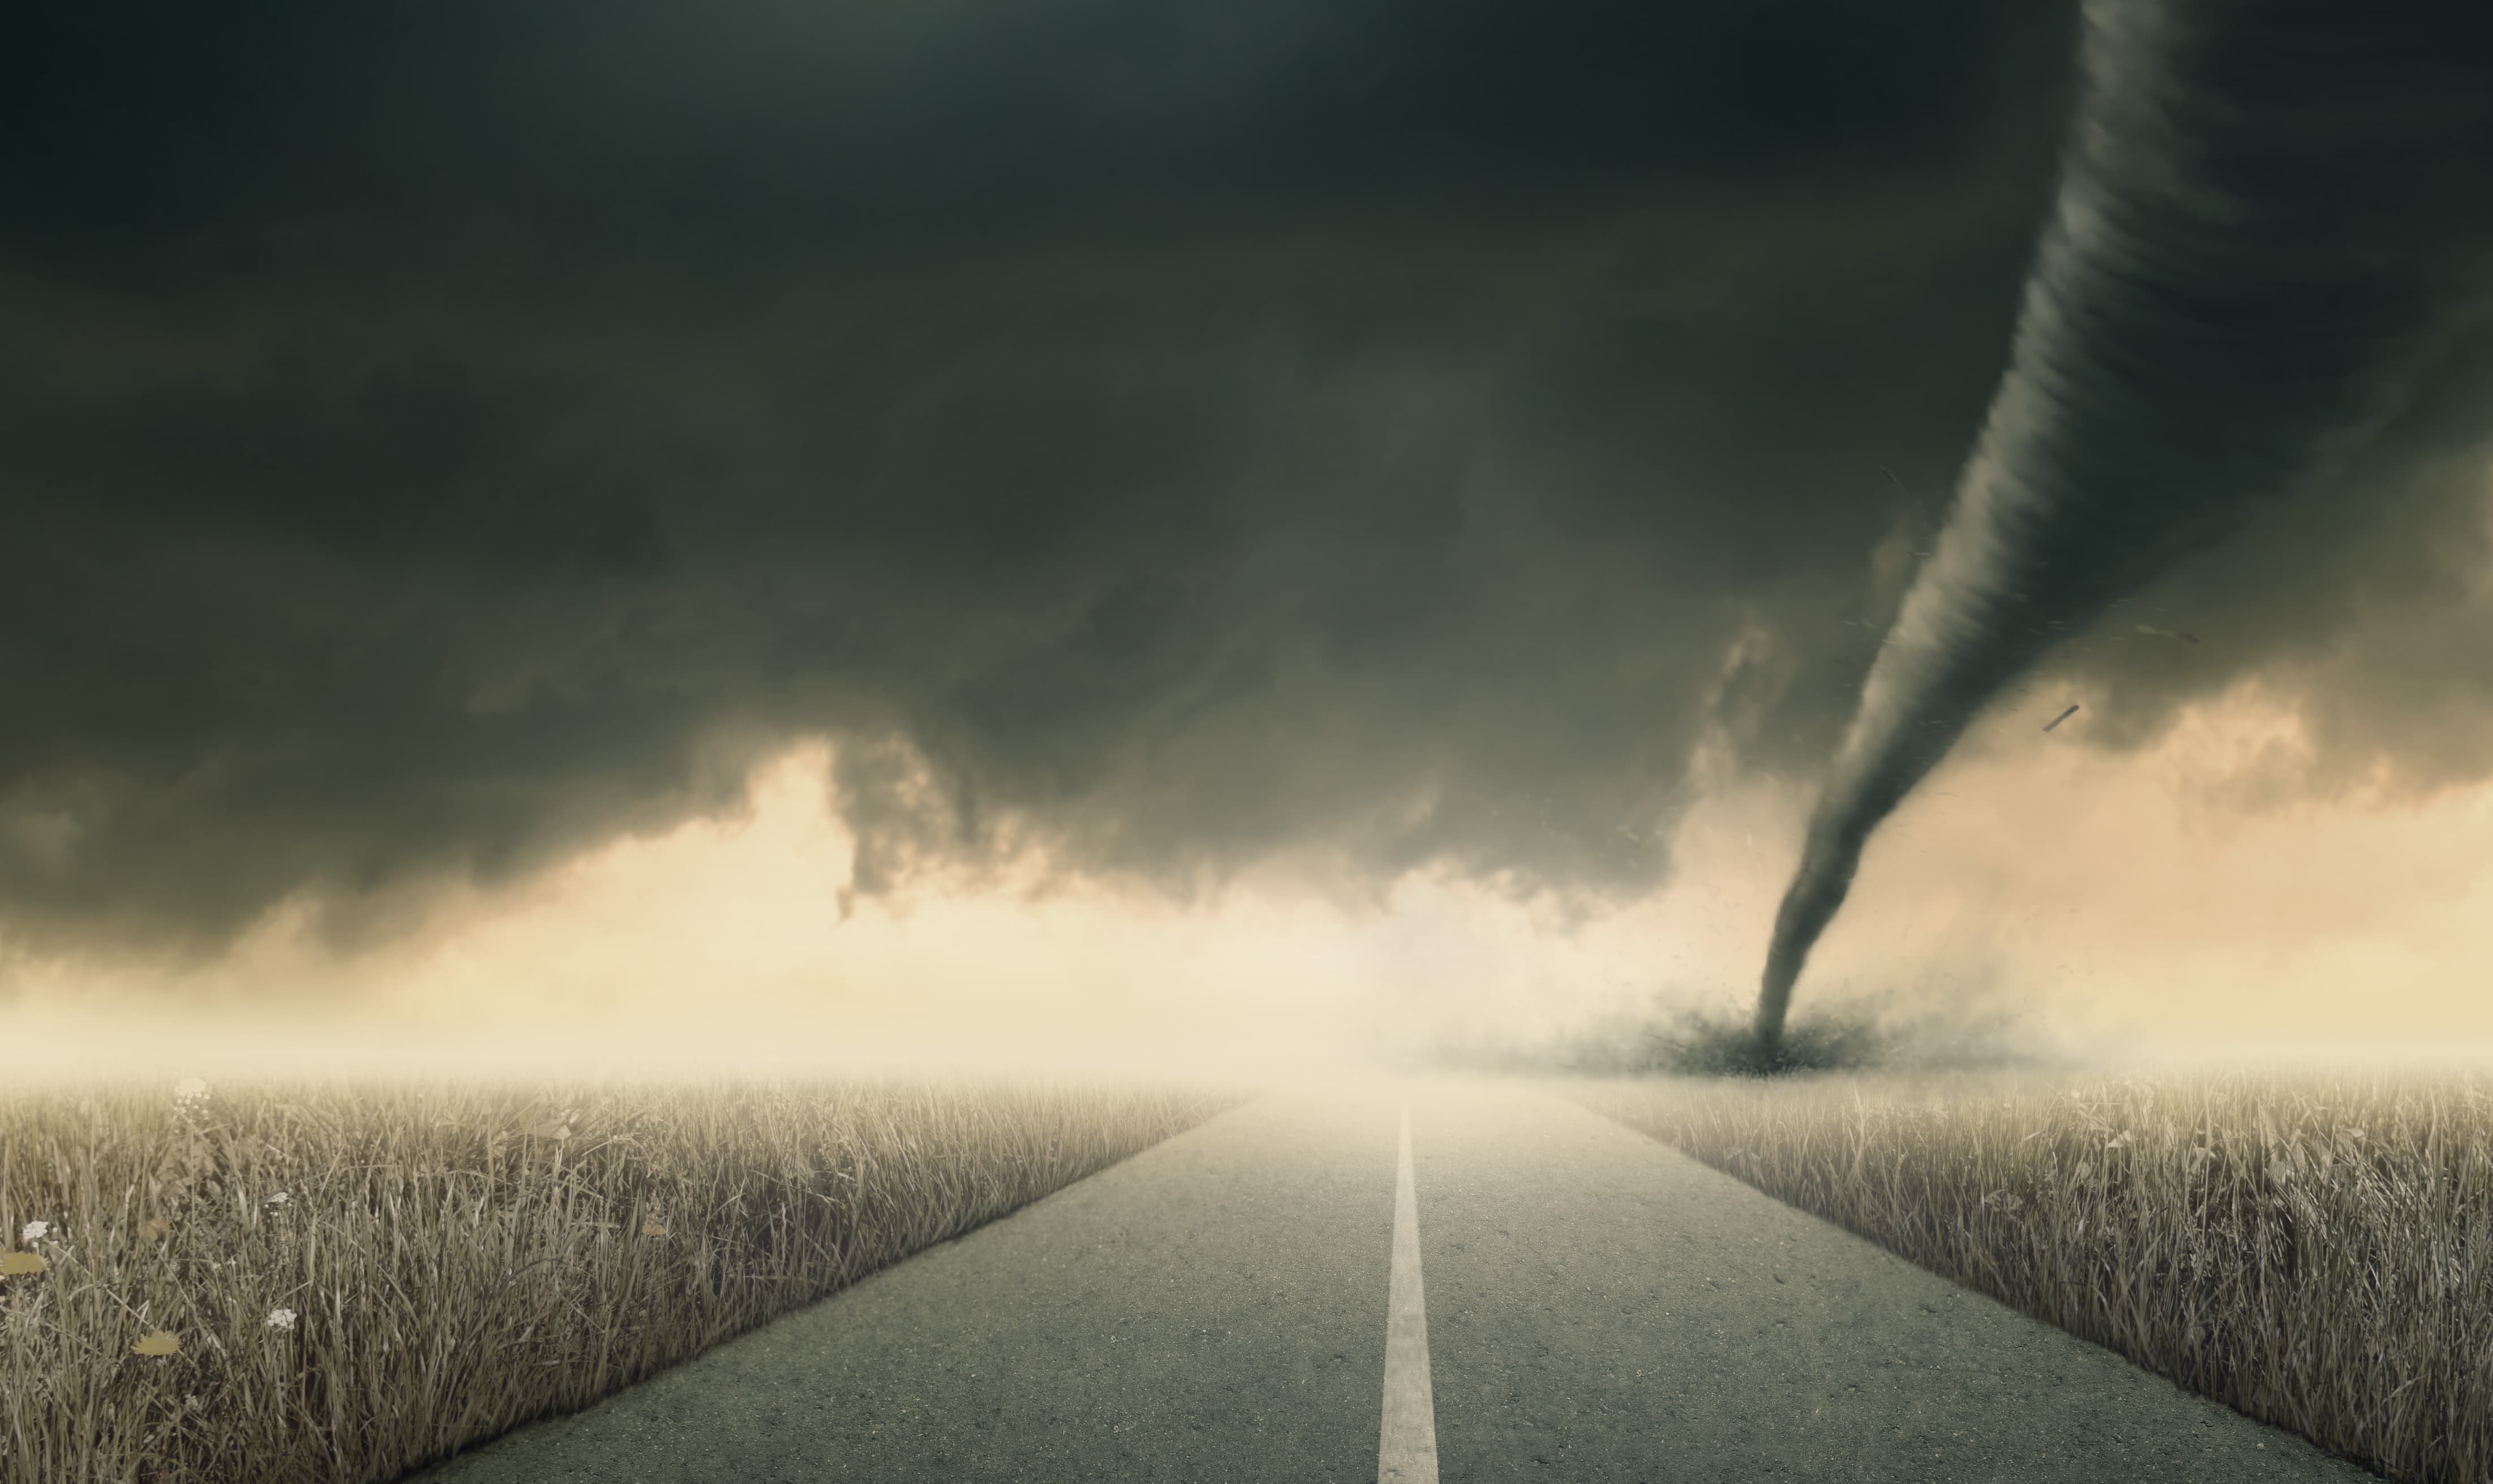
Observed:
{"x":35,"y":1231}
{"x":278,"y":1199}
{"x":190,"y":1090}
{"x":281,"y":1319}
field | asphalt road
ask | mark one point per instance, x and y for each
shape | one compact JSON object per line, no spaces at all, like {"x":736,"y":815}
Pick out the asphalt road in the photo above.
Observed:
{"x":1215,"y":1309}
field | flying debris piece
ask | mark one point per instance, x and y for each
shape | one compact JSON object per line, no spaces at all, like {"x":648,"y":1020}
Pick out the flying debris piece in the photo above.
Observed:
{"x":2182,"y":635}
{"x":2062,"y":717}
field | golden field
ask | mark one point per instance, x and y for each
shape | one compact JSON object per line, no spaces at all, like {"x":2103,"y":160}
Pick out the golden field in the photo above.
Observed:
{"x":2312,"y":1251}
{"x":275,"y":1284}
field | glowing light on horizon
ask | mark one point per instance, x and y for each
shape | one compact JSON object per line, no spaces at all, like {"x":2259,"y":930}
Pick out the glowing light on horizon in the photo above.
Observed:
{"x":2157,"y":901}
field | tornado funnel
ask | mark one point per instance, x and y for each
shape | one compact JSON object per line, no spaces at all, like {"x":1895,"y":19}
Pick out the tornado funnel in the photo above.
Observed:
{"x":2270,"y":212}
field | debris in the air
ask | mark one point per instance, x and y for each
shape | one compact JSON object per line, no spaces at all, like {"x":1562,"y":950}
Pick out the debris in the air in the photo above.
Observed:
{"x":2184,"y":637}
{"x":2062,"y":717}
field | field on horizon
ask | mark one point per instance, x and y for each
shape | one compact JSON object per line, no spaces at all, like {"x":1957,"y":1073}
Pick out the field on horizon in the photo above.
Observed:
{"x":272,"y":1284}
{"x":2310,"y":1250}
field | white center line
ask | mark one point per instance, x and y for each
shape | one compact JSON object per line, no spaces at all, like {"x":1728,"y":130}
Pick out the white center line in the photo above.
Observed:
{"x":1407,"y":1452}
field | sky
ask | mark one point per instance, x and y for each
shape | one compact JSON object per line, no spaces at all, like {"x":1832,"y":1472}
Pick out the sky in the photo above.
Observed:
{"x":1315,"y":528}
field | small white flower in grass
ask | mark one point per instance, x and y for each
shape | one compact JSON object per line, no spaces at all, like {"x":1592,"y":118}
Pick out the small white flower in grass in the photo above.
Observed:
{"x":278,"y":1199}
{"x":281,"y":1319}
{"x":190,"y":1090}
{"x":35,"y":1231}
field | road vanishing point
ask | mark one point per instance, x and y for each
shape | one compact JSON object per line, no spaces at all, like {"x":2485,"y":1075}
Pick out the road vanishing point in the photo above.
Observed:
{"x":1403,"y":1283}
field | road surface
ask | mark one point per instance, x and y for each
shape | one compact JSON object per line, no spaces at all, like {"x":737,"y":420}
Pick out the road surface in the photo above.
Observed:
{"x":1565,"y":1299}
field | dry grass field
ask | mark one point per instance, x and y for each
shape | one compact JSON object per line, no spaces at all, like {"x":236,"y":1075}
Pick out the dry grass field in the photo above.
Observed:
{"x":267,"y":1285}
{"x":2314,"y":1252}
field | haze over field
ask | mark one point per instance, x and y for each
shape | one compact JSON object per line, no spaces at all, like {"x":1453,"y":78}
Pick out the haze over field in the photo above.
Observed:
{"x":1130,"y":529}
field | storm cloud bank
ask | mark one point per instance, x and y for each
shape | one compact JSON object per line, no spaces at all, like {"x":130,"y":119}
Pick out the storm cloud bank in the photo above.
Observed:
{"x":1158,"y":435}
{"x":2271,"y":216}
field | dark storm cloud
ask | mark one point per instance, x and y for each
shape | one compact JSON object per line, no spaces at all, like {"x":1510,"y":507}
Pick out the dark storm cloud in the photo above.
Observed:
{"x":434,"y":442}
{"x":2270,"y":219}
{"x":860,"y":117}
{"x":2365,"y":603}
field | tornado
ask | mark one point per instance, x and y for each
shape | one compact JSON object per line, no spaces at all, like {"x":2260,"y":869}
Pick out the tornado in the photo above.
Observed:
{"x":2270,"y":215}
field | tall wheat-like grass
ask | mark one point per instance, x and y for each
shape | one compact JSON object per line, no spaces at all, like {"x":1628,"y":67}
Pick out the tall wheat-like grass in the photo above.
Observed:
{"x":354,"y":1281}
{"x":2312,"y":1252}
